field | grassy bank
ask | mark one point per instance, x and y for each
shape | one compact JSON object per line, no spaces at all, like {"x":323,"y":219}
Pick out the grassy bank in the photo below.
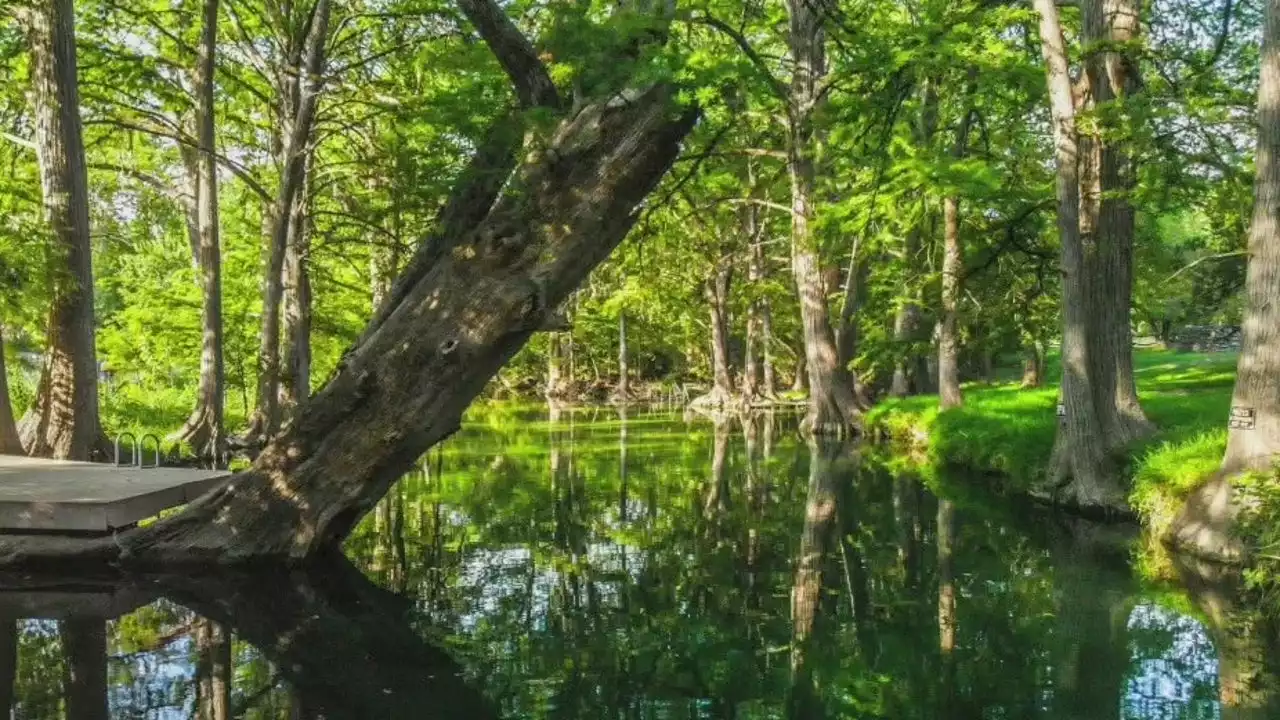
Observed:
{"x":1007,"y":432}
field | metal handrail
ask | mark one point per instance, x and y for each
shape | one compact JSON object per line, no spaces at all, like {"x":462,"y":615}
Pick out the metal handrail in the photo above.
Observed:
{"x":142,"y":448}
{"x":135,"y":458}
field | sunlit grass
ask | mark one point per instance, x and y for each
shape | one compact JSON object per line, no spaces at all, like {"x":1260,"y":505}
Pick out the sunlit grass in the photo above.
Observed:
{"x":1007,"y":431}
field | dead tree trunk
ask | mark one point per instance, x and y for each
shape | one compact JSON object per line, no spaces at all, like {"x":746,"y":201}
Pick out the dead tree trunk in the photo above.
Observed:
{"x":299,"y":91}
{"x":203,"y":429}
{"x":63,"y":420}
{"x":1081,"y":476}
{"x":10,"y":444}
{"x":1108,"y":176}
{"x":833,"y":408}
{"x":1207,"y":524}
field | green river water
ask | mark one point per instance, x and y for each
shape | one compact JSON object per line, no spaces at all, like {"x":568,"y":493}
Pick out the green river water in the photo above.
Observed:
{"x":603,"y":564}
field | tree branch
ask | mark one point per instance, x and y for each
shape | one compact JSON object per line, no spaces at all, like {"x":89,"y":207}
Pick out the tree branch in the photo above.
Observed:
{"x":775,"y":85}
{"x":515,"y":53}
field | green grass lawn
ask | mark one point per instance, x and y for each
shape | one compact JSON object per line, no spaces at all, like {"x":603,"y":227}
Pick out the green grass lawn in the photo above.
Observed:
{"x":1008,"y":432}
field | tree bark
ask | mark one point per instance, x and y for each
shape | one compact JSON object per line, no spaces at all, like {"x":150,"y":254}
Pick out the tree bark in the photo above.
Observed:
{"x":833,"y":408}
{"x":295,"y":380}
{"x":213,"y":671}
{"x":10,"y":444}
{"x":1082,"y":475}
{"x":624,"y":390}
{"x":716,"y":292}
{"x":63,"y":420}
{"x":949,"y":394}
{"x":203,"y":429}
{"x":299,"y":94}
{"x":1207,"y":524}
{"x":769,"y":374}
{"x":1032,"y":366}
{"x":800,"y":376}
{"x":1108,"y":177}
{"x":84,"y":648}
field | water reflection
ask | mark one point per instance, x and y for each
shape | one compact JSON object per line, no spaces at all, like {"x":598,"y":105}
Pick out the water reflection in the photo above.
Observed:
{"x":569,"y":564}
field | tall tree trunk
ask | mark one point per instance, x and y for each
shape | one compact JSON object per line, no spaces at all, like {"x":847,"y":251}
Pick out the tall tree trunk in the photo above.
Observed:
{"x":203,"y":429}
{"x":800,"y":376}
{"x":716,"y":292}
{"x":63,"y":420}
{"x":1081,"y":475}
{"x":84,"y":648}
{"x":555,"y":366}
{"x":624,"y":390}
{"x":1109,"y":28}
{"x":1032,"y":366}
{"x":833,"y":408}
{"x":906,"y":329}
{"x":952,"y":274}
{"x":755,"y":357}
{"x":213,"y":671}
{"x":295,"y":380}
{"x":769,"y":376}
{"x":1207,"y":524}
{"x":949,"y":395}
{"x":299,"y":93}
{"x":10,"y":444}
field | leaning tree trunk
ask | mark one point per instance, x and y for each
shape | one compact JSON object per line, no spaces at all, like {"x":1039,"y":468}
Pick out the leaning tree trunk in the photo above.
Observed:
{"x":63,"y":420}
{"x":833,"y":408}
{"x":1108,"y":176}
{"x":1207,"y":524}
{"x":510,"y":255}
{"x":405,"y":387}
{"x":10,"y":444}
{"x":1081,"y":475}
{"x":299,"y":92}
{"x":203,"y":429}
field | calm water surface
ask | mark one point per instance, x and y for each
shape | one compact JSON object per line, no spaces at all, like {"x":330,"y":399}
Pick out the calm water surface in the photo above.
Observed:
{"x":592,"y":564}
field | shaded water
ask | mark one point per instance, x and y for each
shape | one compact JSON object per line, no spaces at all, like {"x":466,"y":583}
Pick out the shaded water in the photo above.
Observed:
{"x":591,"y":565}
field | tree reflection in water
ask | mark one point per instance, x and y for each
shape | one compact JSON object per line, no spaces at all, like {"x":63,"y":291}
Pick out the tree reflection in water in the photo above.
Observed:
{"x":632,"y":565}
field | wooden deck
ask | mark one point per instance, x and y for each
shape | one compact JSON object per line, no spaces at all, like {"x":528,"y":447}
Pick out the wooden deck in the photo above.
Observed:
{"x":61,"y":495}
